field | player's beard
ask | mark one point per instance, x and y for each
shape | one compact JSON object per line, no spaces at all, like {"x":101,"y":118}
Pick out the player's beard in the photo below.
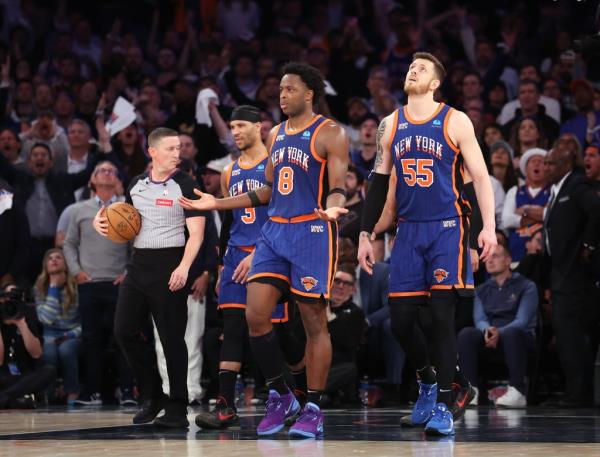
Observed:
{"x":415,"y":88}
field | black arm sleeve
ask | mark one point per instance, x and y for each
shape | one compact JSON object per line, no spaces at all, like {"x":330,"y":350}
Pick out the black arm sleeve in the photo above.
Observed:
{"x":476,"y":222}
{"x":374,"y":202}
{"x":224,"y":235}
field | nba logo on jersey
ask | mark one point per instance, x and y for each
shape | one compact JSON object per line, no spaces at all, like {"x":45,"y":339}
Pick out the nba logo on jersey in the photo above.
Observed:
{"x":306,"y":135}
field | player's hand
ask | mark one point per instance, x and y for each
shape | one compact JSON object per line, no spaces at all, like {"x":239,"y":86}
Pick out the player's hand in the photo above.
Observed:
{"x":474,"y":260}
{"x":206,"y":202}
{"x":178,"y":278}
{"x":240,"y":275}
{"x":200,"y":286}
{"x":83,"y":277}
{"x":101,"y":222}
{"x":330,"y":214}
{"x":218,"y":283}
{"x":366,"y":256}
{"x":119,"y":279}
{"x":487,"y":241}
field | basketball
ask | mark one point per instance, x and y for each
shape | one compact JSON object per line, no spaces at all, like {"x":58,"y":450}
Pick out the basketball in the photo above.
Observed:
{"x":124,"y":222}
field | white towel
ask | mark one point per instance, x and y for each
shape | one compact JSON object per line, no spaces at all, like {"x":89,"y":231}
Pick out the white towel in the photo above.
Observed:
{"x":123,"y":116}
{"x":204,"y":97}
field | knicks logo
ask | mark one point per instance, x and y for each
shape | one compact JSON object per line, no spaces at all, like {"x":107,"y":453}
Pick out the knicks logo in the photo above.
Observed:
{"x":309,"y":282}
{"x":440,"y":274}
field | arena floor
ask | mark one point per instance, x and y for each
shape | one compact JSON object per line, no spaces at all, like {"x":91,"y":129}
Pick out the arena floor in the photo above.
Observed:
{"x":372,"y":432}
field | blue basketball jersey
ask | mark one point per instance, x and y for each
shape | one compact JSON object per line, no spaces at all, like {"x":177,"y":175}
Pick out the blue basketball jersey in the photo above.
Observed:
{"x":247,"y":222}
{"x":429,"y":168}
{"x":300,"y":175}
{"x":518,"y":238}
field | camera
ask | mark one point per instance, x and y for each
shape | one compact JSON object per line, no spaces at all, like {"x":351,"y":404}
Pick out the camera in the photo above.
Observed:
{"x":12,"y":303}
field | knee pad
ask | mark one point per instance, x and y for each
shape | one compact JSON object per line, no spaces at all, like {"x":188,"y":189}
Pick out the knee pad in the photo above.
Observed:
{"x":235,"y":336}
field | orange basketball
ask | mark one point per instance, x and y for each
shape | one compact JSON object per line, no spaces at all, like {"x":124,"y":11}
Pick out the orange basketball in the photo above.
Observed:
{"x":124,"y":222}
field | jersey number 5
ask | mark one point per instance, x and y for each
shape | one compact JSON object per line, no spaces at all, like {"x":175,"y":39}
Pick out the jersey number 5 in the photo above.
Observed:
{"x":285,"y":183}
{"x":249,"y":216}
{"x":418,"y":171}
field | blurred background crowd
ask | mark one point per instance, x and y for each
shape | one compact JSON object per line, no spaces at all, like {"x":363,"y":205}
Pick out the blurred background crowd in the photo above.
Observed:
{"x":526,"y":73}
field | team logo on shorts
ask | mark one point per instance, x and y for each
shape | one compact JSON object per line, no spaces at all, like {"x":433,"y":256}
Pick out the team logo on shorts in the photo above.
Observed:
{"x":440,"y":274}
{"x":309,"y":282}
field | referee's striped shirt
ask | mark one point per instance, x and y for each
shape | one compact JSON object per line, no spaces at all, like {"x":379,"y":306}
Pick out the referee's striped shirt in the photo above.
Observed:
{"x":163,"y":218}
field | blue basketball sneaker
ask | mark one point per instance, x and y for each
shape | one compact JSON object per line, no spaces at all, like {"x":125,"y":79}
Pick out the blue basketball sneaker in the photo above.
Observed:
{"x":441,"y":422}
{"x":423,"y":409}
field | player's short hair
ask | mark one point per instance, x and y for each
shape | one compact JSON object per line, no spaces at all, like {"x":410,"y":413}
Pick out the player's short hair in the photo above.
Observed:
{"x":347,"y":268}
{"x":158,"y":134}
{"x":309,"y":75}
{"x":440,"y":71}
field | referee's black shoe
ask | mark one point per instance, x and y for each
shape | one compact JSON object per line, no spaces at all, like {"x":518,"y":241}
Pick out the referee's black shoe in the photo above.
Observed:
{"x":175,"y":416}
{"x":149,"y":410}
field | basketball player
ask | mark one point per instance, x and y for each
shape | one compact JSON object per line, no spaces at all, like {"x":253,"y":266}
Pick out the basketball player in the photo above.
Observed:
{"x":156,"y":277}
{"x":428,"y":142}
{"x":239,"y":234}
{"x":297,"y":249}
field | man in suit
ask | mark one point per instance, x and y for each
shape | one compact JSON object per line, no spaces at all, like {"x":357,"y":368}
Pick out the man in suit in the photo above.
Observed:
{"x":572,"y":231}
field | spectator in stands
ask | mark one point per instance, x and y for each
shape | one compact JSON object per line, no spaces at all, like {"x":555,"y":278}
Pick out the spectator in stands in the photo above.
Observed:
{"x":357,"y":108}
{"x":472,"y":89}
{"x":64,"y":109}
{"x":526,"y":134}
{"x":505,"y":316}
{"x":364,"y":156}
{"x":43,"y":98}
{"x":345,"y":321}
{"x":58,"y":310}
{"x":10,"y":147}
{"x":490,"y":134}
{"x":572,"y":232}
{"x":497,"y":98}
{"x":501,"y":160}
{"x":591,"y":162}
{"x":23,"y":108}
{"x":585,"y":125}
{"x":98,"y":265}
{"x":523,"y":211}
{"x":45,"y":129}
{"x":379,"y":88}
{"x":23,"y":372}
{"x":529,"y":98}
{"x":127,"y":145}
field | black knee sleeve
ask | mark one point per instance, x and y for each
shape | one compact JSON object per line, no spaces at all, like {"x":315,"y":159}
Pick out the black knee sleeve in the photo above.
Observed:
{"x":404,"y":320}
{"x":235,"y":336}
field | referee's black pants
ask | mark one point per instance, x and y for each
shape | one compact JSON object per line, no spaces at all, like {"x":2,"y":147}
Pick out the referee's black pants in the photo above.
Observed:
{"x":144,"y":292}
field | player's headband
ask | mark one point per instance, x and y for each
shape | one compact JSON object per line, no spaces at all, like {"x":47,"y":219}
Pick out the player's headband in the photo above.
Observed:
{"x":245,"y":113}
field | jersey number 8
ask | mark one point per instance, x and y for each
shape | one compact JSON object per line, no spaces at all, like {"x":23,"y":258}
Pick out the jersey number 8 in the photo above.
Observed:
{"x":421,"y":174}
{"x":285,"y":183}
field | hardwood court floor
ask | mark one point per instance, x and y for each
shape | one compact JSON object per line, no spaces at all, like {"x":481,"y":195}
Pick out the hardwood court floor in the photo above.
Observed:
{"x":348,"y":433}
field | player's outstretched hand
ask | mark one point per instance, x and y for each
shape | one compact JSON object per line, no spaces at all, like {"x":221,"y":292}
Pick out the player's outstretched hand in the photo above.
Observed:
{"x":101,"y":222}
{"x":206,"y":202}
{"x":366,"y":256}
{"x":487,"y":241}
{"x":330,"y":214}
{"x":240,"y":275}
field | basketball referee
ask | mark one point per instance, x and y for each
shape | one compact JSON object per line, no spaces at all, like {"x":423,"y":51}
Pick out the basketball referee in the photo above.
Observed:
{"x":156,"y":279}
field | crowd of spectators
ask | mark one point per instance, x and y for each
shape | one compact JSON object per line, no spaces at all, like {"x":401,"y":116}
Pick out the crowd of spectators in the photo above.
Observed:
{"x":513,"y":68}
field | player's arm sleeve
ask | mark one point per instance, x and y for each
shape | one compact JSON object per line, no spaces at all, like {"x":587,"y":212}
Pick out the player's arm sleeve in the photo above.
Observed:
{"x":225,"y":233}
{"x":374,"y":202}
{"x":476,"y":222}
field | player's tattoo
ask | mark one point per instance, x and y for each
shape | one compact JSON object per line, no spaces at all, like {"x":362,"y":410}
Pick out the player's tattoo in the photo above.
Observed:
{"x":380,"y":132}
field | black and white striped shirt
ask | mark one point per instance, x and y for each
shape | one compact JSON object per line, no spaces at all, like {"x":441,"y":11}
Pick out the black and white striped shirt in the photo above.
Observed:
{"x":163,"y":218}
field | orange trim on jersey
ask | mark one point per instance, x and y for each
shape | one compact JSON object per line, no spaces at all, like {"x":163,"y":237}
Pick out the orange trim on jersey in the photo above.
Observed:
{"x":455,"y":286}
{"x":228,"y":170}
{"x":313,"y":140}
{"x":307,"y":294}
{"x":286,"y":315}
{"x":446,"y":135}
{"x":269,"y":275}
{"x":231,"y":305}
{"x":321,"y":184}
{"x":423,"y":121}
{"x":460,"y":254}
{"x":294,"y":220}
{"x":253,"y":164}
{"x":274,"y":138}
{"x":394,"y":130}
{"x":330,"y":268}
{"x":409,"y":294}
{"x":246,"y":248}
{"x":304,"y":127}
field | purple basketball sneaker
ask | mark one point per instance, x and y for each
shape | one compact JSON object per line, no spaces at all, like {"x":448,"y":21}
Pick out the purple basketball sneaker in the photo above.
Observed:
{"x":309,"y":423}
{"x":279,"y":408}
